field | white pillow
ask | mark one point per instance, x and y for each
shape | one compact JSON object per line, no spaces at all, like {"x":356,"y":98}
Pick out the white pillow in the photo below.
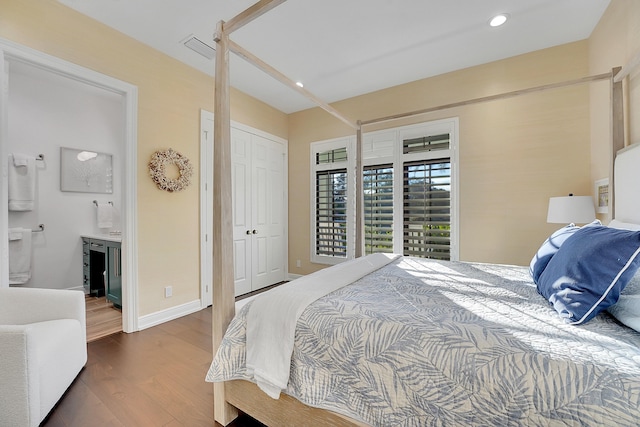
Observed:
{"x":624,"y":225}
{"x":627,"y":309}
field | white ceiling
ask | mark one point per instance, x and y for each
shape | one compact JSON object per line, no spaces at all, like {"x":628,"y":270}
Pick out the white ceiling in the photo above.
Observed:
{"x":344,"y":48}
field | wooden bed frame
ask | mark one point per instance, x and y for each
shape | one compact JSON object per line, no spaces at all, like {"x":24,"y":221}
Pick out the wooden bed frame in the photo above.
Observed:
{"x":239,"y":395}
{"x":285,"y":411}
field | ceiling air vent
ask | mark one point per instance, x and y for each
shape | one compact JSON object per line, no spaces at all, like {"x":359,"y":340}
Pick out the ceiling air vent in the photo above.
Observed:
{"x":197,"y":45}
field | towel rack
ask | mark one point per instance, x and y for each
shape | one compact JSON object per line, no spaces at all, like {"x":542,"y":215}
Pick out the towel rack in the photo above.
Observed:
{"x":39,"y":229}
{"x":95,"y":202}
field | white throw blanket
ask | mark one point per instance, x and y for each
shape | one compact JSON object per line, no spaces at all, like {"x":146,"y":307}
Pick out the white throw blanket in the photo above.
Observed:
{"x":22,"y":182}
{"x":272,"y":318}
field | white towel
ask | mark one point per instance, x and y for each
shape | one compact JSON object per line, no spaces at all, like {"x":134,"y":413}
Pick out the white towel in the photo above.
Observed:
{"x":22,"y":182}
{"x":105,"y":215}
{"x":15,"y":234}
{"x":19,"y":256}
{"x":20,"y":159}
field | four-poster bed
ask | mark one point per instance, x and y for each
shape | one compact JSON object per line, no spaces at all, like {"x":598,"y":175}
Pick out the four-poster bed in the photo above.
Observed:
{"x":238,"y":393}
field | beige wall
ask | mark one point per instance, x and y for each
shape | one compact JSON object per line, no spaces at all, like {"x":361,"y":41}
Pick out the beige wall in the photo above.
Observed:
{"x":514,"y":153}
{"x":170,"y":98}
{"x":612,"y":44}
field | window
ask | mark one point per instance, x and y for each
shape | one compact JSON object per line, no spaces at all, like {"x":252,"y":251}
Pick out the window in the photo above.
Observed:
{"x":332,"y":156}
{"x":331,"y":213}
{"x":426,"y":143}
{"x":427,"y":209}
{"x":378,"y":208}
{"x":409,"y":192}
{"x":331,"y":207}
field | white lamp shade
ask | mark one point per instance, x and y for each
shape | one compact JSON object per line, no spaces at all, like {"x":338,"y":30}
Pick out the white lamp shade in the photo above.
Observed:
{"x":568,"y":209}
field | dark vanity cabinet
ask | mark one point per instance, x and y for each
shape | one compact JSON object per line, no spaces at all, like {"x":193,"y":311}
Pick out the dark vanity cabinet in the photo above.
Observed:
{"x":102,"y":268}
{"x":114,"y":273}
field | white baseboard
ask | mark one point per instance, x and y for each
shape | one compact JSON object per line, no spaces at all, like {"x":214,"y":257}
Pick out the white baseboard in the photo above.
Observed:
{"x":172,"y":313}
{"x":294,"y":276}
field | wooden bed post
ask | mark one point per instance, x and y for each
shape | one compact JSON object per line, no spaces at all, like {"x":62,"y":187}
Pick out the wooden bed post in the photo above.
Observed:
{"x":359,"y":193}
{"x":223,"y":286}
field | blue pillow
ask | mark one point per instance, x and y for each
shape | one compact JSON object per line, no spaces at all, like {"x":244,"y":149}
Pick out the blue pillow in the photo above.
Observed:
{"x":548,"y":250}
{"x":589,"y":271}
{"x":551,"y":246}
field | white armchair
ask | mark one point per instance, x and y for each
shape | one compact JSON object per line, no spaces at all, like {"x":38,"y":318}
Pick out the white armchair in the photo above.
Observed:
{"x":43,"y":347}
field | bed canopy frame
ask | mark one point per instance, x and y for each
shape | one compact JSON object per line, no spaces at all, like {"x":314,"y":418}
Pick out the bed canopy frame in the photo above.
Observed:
{"x":231,"y":396}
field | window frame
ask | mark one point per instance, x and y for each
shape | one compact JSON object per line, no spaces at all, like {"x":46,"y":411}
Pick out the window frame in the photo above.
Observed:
{"x":320,"y":147}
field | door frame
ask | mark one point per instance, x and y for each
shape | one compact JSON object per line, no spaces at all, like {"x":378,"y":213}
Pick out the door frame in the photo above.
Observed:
{"x":206,"y":208}
{"x":11,"y":51}
{"x":206,"y":202}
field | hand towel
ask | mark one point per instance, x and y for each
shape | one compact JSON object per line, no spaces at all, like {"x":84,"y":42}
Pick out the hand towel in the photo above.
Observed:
{"x":105,"y":215}
{"x":19,"y":256}
{"x":22,"y":182}
{"x":15,"y":234}
{"x":20,"y":159}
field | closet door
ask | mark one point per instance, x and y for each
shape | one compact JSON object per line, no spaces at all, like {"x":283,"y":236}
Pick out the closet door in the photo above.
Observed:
{"x":267,"y":212}
{"x":241,"y":199}
{"x":258,"y":211}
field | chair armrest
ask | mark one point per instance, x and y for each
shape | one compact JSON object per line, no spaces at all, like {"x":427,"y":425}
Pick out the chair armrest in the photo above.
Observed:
{"x":19,"y":394}
{"x":20,"y":306}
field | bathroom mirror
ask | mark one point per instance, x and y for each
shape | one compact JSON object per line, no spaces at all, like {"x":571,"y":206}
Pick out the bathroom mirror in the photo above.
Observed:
{"x":85,"y":171}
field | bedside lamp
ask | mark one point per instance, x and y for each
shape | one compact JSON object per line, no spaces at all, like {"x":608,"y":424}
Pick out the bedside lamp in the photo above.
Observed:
{"x":568,"y":209}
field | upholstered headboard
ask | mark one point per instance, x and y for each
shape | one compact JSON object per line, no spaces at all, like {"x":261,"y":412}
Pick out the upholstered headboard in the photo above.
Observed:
{"x":627,"y":184}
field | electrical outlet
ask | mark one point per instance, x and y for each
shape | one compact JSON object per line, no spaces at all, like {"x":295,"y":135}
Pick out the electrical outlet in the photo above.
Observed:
{"x":298,"y":264}
{"x":168,"y":291}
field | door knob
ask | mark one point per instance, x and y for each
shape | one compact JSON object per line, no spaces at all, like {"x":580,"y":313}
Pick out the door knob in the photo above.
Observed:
{"x":255,"y":232}
{"x":249,"y":232}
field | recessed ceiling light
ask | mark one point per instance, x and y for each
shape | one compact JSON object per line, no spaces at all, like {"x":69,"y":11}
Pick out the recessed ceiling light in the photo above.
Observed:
{"x":498,"y":20}
{"x":299,"y":84}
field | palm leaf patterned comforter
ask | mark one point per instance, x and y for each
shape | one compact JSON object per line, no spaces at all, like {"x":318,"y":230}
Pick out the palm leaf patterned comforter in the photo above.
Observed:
{"x":423,"y":342}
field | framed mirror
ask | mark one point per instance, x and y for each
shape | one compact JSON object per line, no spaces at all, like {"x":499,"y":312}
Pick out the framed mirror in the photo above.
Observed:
{"x":85,"y":171}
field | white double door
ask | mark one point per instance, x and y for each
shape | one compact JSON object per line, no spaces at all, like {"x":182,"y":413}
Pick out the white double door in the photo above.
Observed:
{"x":259,"y":210}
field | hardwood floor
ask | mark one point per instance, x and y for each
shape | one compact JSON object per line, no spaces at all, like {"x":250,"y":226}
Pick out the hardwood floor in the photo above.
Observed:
{"x":154,"y":377}
{"x":102,"y":318}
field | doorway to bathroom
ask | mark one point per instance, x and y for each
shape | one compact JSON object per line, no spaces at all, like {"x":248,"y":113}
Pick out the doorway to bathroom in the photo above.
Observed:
{"x":48,"y":105}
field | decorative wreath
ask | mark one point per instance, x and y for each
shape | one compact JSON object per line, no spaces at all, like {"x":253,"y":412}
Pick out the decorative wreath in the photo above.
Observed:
{"x":158,"y":163}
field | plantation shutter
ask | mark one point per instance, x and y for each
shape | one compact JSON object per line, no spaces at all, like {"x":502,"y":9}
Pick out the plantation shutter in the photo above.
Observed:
{"x":378,"y":208}
{"x":427,"y":209}
{"x":331,"y":213}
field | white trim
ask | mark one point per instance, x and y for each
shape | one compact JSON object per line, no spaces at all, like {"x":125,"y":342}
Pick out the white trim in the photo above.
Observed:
{"x":206,"y":209}
{"x":455,"y":189}
{"x":130,"y":318}
{"x":4,"y":184}
{"x":10,"y":51}
{"x":162,"y":316}
{"x":259,"y":132}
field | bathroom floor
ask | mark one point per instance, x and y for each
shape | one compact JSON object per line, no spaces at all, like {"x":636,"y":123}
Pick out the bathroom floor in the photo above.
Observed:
{"x":102,"y":318}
